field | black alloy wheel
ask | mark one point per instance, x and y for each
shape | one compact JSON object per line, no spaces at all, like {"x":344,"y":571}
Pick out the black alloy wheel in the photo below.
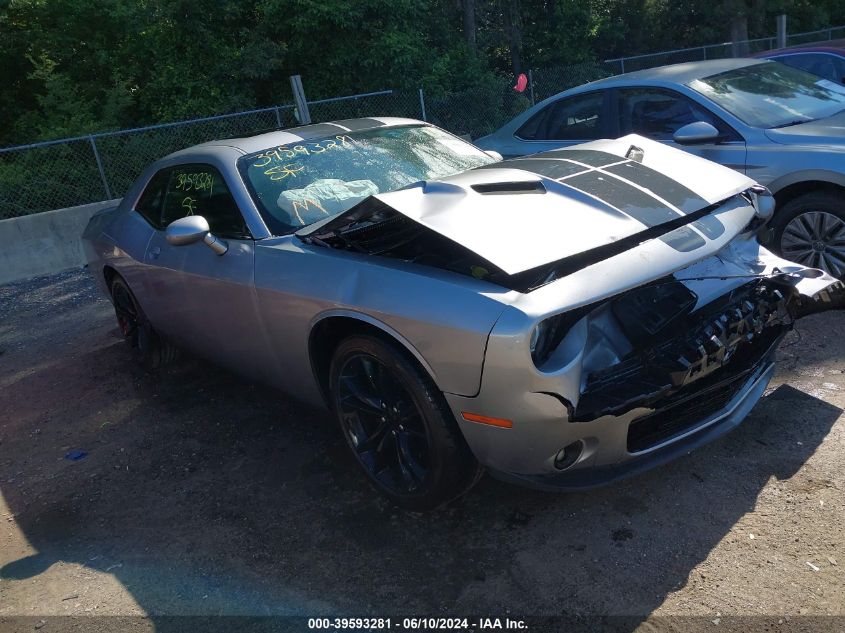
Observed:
{"x":383,"y":424}
{"x":398,"y":425}
{"x":151,"y":351}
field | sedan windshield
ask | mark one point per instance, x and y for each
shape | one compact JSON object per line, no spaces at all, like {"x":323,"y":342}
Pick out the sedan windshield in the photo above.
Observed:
{"x":773,"y":95}
{"x":297,"y":185}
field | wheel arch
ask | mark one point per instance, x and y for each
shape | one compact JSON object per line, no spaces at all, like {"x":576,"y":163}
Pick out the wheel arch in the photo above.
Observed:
{"x":330,"y":328}
{"x":790,"y":187}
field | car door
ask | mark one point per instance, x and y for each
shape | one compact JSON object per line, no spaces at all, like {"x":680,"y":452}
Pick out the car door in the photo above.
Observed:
{"x":204,"y":301}
{"x":657,"y":113}
{"x":567,"y":121}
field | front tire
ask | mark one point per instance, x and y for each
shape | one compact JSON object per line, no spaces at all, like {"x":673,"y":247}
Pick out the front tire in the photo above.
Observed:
{"x":150,"y":350}
{"x":398,"y":425}
{"x":810,"y":230}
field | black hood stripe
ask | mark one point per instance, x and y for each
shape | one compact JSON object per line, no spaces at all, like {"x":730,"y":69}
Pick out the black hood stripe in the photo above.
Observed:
{"x":589,"y":157}
{"x":661,"y":185}
{"x":602,"y":180}
{"x":549,"y":168}
{"x":621,"y":194}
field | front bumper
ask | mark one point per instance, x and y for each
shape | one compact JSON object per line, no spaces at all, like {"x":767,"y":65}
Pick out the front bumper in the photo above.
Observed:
{"x":613,"y":447}
{"x":703,"y":432}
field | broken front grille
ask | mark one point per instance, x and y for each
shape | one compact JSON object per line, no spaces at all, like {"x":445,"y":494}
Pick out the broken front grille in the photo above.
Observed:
{"x":686,"y":414}
{"x":731,"y":335}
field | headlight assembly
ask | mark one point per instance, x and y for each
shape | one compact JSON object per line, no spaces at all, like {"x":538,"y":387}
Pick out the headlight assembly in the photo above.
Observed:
{"x":548,"y":333}
{"x":544,"y":339}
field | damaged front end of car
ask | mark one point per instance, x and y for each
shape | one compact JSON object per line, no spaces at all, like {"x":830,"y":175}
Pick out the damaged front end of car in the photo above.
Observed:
{"x":619,"y":385}
{"x":644,"y":314}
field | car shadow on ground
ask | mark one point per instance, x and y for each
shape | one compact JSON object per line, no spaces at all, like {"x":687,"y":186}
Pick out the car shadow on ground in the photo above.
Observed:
{"x":204,"y":494}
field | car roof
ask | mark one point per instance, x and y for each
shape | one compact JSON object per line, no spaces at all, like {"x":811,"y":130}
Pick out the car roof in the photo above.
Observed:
{"x":682,"y":73}
{"x":834,"y":46}
{"x":258,"y":142}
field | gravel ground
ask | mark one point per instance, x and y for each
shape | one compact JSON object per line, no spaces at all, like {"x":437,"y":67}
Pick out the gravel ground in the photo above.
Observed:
{"x":202,"y":494}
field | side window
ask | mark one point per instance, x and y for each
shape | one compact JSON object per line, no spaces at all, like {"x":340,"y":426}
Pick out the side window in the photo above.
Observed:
{"x":200,"y":190}
{"x":658,"y":114}
{"x":531,"y":128}
{"x":575,"y":118}
{"x":149,"y":205}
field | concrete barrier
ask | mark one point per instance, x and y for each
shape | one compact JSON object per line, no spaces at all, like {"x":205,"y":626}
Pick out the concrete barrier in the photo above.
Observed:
{"x":44,"y":243}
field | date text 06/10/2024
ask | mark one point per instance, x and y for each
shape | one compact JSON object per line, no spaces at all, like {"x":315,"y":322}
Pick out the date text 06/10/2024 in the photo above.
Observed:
{"x":416,"y":624}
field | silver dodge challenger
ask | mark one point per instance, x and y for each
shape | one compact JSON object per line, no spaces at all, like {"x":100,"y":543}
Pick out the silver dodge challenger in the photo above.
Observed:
{"x":561,"y":320}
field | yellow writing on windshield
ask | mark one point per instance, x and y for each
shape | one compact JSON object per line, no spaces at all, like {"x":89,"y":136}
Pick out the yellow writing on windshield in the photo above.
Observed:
{"x":280,"y":172}
{"x":305,"y":205}
{"x":284,"y":153}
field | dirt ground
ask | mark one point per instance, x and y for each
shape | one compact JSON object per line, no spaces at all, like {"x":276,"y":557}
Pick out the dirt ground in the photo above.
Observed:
{"x":203,"y":494}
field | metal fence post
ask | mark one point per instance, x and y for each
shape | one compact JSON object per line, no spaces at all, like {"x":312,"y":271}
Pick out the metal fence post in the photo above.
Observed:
{"x":781,"y":22}
{"x":531,"y":84}
{"x":278,"y":117}
{"x":100,"y":167}
{"x":299,"y":99}
{"x":422,"y":105}
{"x":622,"y":61}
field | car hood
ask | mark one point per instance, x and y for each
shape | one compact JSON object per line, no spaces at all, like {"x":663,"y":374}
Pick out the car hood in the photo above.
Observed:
{"x":828,"y":131}
{"x":524,"y":213}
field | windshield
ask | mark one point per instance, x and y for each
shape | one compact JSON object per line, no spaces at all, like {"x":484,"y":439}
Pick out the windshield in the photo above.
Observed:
{"x":773,"y":95}
{"x":297,"y":185}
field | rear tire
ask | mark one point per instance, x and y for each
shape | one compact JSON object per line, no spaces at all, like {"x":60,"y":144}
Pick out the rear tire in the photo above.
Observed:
{"x":810,"y":230}
{"x":398,"y":426}
{"x":151,"y":351}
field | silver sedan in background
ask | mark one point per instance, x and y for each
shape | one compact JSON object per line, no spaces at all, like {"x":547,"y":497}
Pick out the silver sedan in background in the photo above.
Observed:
{"x":562,"y":320}
{"x":781,"y":126}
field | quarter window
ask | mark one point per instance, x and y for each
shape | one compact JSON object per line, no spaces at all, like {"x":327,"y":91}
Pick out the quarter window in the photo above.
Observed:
{"x":577,"y":118}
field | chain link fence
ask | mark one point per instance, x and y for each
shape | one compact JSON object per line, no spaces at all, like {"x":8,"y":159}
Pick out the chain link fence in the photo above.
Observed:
{"x":57,"y":174}
{"x":69,"y":172}
{"x":719,"y":51}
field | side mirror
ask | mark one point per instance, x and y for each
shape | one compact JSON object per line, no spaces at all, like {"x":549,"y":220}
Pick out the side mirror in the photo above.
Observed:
{"x":697,"y":132}
{"x":192,"y":229}
{"x":763,"y":200}
{"x":494,"y":154}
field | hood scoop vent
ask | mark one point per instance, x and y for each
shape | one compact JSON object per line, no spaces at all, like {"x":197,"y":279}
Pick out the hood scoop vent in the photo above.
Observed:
{"x":509,"y":188}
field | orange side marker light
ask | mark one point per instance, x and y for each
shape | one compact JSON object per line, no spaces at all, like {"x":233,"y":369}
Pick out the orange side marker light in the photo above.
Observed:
{"x":483,"y":419}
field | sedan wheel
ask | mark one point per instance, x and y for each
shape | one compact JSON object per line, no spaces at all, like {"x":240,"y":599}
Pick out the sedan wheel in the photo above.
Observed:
{"x":398,"y":425}
{"x":817,"y":239}
{"x":810,"y":230}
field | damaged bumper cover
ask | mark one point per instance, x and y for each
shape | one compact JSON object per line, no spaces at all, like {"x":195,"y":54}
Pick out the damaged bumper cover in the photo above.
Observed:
{"x":647,"y":375}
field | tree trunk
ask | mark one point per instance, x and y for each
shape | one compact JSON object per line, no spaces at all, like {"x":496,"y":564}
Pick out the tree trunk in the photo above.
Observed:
{"x":737,"y":14}
{"x":739,"y":35}
{"x":513,"y":29}
{"x":469,"y":24}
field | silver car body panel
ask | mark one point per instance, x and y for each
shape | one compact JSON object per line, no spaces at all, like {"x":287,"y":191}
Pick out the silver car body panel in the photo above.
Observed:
{"x":808,"y":152}
{"x":256,"y":308}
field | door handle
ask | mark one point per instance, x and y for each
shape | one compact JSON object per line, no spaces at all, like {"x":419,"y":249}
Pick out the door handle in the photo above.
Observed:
{"x":155,"y":251}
